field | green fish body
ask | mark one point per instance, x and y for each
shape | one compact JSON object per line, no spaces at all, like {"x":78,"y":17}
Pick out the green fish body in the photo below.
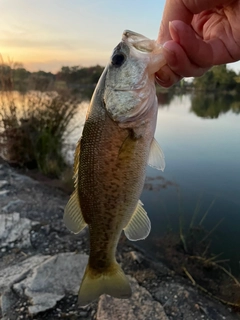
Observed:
{"x":111,"y":158}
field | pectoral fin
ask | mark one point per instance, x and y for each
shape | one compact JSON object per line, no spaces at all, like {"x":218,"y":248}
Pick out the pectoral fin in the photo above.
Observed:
{"x":156,"y":156}
{"x":73,"y":217}
{"x":139,"y":226}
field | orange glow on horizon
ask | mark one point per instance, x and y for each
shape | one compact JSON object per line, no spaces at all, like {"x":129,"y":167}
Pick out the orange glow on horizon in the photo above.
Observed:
{"x":35,"y":59}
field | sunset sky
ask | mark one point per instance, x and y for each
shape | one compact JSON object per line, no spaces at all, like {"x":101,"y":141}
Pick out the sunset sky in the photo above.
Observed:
{"x":48,"y":34}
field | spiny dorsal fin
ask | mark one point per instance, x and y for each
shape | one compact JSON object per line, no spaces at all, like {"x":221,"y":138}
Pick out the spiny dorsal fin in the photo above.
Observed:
{"x":139,"y":226}
{"x":73,"y":217}
{"x":156,"y":156}
{"x":76,"y":162}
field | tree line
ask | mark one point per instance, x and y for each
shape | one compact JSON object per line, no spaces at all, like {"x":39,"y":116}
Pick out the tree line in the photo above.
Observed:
{"x":219,"y":78}
{"x":77,"y":78}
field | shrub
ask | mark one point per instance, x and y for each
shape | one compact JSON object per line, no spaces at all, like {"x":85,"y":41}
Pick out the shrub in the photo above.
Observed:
{"x":33,"y":128}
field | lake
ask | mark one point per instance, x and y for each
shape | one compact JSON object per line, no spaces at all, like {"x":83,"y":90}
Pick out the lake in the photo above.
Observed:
{"x":200,"y":137}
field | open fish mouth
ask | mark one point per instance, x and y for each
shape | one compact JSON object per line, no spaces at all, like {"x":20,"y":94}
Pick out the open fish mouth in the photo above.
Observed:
{"x":133,"y":36}
{"x":138,"y":41}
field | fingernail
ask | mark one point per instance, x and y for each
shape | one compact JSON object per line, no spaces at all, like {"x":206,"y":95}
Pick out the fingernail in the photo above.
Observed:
{"x":167,"y":47}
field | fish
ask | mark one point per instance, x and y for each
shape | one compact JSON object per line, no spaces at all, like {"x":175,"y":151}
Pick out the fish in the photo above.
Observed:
{"x":110,"y":163}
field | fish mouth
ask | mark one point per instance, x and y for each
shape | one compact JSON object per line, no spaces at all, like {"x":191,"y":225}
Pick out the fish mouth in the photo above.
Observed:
{"x":138,"y":41}
{"x":132,"y":36}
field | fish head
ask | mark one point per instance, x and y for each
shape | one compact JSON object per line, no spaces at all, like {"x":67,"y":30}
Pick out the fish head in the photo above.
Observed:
{"x":130,"y":81}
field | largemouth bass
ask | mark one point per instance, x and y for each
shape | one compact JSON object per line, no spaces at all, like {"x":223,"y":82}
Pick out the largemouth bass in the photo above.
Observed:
{"x":111,"y":158}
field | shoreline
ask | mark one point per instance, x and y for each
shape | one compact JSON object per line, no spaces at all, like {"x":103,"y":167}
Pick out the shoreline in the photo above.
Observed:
{"x":37,"y":206}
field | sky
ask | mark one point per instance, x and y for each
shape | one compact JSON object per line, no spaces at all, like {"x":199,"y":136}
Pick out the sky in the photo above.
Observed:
{"x":48,"y":34}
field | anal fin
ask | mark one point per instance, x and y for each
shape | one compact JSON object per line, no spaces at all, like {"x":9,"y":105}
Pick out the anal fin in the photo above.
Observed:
{"x":73,"y":217}
{"x":139,"y":226}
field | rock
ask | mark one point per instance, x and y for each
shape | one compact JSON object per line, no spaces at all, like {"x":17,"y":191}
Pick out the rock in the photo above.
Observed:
{"x":8,"y":301}
{"x":21,"y":178}
{"x":43,"y":301}
{"x":185,"y":302}
{"x":137,"y":256}
{"x":16,"y":273}
{"x":3,"y":193}
{"x":3,"y":183}
{"x":49,"y":281}
{"x":141,"y":306}
{"x":12,"y":205}
{"x":13,"y":229}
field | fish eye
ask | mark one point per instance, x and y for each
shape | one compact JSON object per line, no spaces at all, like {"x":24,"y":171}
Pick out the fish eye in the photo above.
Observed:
{"x":118,"y":59}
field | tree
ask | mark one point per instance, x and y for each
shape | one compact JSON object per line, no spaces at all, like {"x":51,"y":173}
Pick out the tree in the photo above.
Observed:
{"x":218,"y":78}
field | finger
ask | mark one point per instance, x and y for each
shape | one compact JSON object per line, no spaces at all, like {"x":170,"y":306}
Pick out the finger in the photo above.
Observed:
{"x":173,"y":10}
{"x":165,"y":77}
{"x":198,"y":51}
{"x":199,"y":6}
{"x":184,"y":10}
{"x":179,"y":62}
{"x":202,"y":53}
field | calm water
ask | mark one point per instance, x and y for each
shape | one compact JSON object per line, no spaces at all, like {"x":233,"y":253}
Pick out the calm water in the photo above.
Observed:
{"x":200,"y":138}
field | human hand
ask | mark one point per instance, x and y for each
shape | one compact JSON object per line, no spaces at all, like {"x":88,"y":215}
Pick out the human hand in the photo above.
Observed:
{"x":196,"y":36}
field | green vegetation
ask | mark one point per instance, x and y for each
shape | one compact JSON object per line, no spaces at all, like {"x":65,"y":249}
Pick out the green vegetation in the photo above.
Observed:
{"x":211,"y":105}
{"x":33,"y":127}
{"x":219,"y":78}
{"x":74,"y":79}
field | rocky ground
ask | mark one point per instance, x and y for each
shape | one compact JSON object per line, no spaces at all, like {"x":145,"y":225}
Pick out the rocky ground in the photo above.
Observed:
{"x":42,"y":263}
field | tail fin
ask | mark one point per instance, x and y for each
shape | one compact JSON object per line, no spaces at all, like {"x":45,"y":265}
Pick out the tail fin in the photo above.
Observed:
{"x":113,"y":282}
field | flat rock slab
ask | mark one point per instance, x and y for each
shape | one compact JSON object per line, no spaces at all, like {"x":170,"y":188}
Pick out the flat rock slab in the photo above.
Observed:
{"x":14,"y":229}
{"x":141,"y":306}
{"x":49,"y":281}
{"x":18,"y":272}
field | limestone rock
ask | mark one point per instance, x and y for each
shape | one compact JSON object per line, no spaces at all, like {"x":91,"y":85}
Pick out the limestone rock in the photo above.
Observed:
{"x":12,"y":205}
{"x":3,"y":193}
{"x":18,"y":272}
{"x":141,"y":306}
{"x":51,"y":280}
{"x":3,"y":183}
{"x":43,"y":301}
{"x":8,"y":301}
{"x":14,"y":229}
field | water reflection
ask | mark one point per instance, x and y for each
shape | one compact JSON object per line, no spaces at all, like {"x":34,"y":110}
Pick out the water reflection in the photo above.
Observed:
{"x":212,"y":105}
{"x":202,"y":159}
